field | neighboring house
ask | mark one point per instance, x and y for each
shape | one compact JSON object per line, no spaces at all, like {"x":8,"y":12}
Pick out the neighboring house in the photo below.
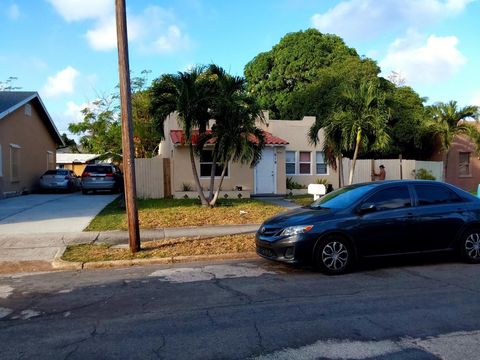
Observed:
{"x":287,"y":153}
{"x":463,"y":165}
{"x":75,"y":162}
{"x":28,"y":139}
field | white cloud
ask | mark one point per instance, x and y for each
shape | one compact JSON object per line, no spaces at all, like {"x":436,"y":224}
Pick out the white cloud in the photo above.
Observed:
{"x":170,"y":42}
{"x":360,"y":19}
{"x":62,"y":82}
{"x":154,"y":29}
{"x":13,"y":12}
{"x":423,"y":62}
{"x":74,"y":111}
{"x":75,"y":10}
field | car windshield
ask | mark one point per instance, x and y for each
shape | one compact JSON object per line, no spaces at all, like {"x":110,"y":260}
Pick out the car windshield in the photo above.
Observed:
{"x":342,"y":198}
{"x":56,"y":172}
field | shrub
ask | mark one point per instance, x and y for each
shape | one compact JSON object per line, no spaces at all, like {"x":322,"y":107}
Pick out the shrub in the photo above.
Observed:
{"x":423,"y":174}
{"x":322,"y":182}
{"x":186,"y":187}
{"x":294,"y":185}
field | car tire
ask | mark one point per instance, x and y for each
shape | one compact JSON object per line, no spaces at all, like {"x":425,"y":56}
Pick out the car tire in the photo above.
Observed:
{"x":334,"y":255}
{"x":470,"y":246}
{"x":84,"y":192}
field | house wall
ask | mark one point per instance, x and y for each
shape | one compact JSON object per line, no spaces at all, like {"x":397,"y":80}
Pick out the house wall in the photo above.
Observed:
{"x":240,"y":175}
{"x":467,"y":182}
{"x":296,"y":133}
{"x":34,"y":140}
{"x":76,"y":168}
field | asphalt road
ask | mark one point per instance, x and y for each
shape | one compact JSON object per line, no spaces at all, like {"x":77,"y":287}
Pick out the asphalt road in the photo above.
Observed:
{"x":50,"y":213}
{"x":238,"y":310}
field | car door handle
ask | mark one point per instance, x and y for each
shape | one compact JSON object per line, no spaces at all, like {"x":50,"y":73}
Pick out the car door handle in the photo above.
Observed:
{"x":410,"y":216}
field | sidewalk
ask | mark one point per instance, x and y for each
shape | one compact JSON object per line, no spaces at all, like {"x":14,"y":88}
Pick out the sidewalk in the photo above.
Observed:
{"x":40,"y":249}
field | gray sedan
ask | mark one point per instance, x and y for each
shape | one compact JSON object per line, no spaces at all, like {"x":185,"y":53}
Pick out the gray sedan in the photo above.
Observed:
{"x":59,"y":179}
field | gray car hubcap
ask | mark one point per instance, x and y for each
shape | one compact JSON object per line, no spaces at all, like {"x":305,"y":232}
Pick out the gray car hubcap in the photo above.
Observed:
{"x":335,"y":255}
{"x":472,"y":246}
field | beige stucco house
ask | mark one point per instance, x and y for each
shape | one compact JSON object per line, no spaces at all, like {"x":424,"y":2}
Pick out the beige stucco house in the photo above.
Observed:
{"x":28,"y":141}
{"x":287,"y":153}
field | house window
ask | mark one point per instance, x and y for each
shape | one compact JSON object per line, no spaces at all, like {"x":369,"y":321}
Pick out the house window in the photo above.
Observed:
{"x":304,"y":162}
{"x":321,"y":164}
{"x":464,"y":164}
{"x":290,"y":162}
{"x":50,"y":163}
{"x":14,"y":162}
{"x":206,"y":162}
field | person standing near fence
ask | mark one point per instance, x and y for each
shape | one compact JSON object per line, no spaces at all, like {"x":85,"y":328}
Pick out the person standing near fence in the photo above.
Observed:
{"x":381,"y":175}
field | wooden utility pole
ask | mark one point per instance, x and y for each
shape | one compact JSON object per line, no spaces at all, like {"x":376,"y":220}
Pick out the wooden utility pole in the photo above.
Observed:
{"x":127,"y":127}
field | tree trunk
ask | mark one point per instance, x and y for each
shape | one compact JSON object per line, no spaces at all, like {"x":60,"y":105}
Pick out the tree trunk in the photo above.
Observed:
{"x":195,"y":177}
{"x":214,"y":200}
{"x":445,"y":165}
{"x":212,"y":173}
{"x":340,"y":171}
{"x":355,"y":154}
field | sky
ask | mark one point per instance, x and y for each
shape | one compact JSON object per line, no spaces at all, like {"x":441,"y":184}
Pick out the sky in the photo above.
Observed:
{"x":66,"y":49}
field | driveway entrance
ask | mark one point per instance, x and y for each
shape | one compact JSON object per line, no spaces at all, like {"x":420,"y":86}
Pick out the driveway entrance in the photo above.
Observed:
{"x":50,"y":213}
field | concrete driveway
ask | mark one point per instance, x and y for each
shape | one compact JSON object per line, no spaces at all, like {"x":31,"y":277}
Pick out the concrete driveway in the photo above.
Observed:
{"x":50,"y":213}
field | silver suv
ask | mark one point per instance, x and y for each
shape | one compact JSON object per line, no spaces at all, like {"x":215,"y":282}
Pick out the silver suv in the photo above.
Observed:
{"x":102,"y":177}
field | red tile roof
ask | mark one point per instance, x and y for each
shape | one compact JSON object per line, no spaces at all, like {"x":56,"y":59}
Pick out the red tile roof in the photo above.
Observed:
{"x":178,"y":137}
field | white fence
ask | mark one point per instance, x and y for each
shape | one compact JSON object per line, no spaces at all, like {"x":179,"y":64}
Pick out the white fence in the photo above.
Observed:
{"x":394,"y":169}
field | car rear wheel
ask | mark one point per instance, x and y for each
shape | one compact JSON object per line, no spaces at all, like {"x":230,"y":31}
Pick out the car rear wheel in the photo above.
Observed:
{"x":334,"y":255}
{"x":470,"y":246}
{"x":84,"y":192}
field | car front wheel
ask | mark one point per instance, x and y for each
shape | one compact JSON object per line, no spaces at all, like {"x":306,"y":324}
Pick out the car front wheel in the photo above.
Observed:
{"x":334,"y":255}
{"x":470,"y":246}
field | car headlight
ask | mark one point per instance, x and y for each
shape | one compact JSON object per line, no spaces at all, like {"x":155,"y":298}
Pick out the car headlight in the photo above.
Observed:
{"x":293,"y":230}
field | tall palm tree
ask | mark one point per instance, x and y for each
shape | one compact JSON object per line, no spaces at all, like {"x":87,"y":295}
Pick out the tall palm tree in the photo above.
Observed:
{"x":358,"y":123}
{"x":448,"y":120}
{"x":235,"y":135}
{"x":190,"y":95}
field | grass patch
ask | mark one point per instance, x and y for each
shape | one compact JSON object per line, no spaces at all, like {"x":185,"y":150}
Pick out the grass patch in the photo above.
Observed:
{"x":159,"y":213}
{"x":163,"y":248}
{"x":302,"y":200}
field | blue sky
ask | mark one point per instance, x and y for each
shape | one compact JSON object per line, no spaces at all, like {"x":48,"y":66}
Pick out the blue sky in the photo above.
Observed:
{"x":65,"y":49}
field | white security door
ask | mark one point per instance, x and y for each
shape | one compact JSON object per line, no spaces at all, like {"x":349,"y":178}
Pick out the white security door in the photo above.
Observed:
{"x":265,"y":174}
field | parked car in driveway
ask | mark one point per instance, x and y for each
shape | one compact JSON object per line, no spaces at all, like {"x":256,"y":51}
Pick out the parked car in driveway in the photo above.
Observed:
{"x":375,"y":219}
{"x":98,"y":177}
{"x":59,"y":179}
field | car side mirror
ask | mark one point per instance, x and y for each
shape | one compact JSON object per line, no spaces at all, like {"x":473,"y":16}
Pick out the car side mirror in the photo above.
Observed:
{"x":366,"y":208}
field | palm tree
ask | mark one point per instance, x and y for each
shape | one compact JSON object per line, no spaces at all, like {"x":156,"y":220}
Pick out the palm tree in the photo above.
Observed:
{"x":235,"y":135}
{"x":448,"y":120}
{"x":190,"y":95}
{"x":358,"y":123}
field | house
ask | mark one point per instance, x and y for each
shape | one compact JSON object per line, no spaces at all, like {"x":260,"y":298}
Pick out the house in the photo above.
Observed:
{"x":463,"y":164}
{"x":287,"y":153}
{"x":75,"y":161}
{"x":28,"y":140}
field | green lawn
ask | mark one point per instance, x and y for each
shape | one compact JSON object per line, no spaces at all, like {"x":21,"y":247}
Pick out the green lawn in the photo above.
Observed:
{"x":159,"y":213}
{"x":302,"y":200}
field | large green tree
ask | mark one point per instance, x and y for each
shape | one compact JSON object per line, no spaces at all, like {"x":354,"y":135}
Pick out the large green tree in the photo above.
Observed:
{"x":301,"y":74}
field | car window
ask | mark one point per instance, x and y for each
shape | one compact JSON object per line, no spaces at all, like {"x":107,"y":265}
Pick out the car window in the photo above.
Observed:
{"x":98,"y":169}
{"x":56,"y":172}
{"x":435,"y":195}
{"x":342,"y":198}
{"x":391,"y":198}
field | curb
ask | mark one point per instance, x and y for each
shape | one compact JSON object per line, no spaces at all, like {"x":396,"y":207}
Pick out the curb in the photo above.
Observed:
{"x":60,"y":264}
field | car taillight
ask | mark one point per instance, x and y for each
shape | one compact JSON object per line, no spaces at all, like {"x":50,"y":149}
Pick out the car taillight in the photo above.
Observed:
{"x":85,"y":174}
{"x":109,"y":175}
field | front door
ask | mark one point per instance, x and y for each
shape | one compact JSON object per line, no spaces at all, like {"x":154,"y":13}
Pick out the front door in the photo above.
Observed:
{"x":265,"y":174}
